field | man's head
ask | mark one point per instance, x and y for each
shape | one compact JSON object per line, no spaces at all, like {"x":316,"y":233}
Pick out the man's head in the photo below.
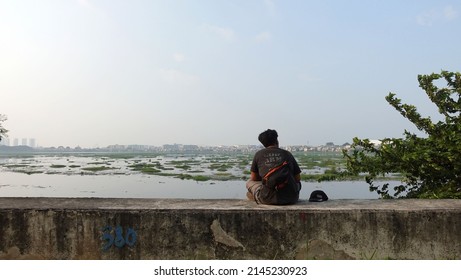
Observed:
{"x":268,"y":138}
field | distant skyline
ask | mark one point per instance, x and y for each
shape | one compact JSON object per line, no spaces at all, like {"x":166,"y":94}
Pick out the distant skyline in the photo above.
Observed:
{"x":94,"y":73}
{"x":32,"y":142}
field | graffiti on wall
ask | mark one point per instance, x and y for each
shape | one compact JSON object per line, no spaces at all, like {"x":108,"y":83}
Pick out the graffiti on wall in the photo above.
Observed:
{"x":116,"y":236}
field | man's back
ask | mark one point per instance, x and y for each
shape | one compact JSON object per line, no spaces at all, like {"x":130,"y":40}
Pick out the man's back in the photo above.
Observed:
{"x":267,"y":159}
{"x":271,"y":157}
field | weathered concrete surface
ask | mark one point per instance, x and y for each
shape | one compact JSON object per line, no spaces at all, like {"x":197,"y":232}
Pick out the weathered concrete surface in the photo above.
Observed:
{"x":92,"y":228}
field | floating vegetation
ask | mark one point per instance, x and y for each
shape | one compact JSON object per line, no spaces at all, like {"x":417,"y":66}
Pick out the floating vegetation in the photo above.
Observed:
{"x":57,"y":166}
{"x":29,"y":172}
{"x":16,"y":165}
{"x":167,"y":168}
{"x":315,"y":166}
{"x":98,"y":168}
{"x":184,"y":166}
{"x":223,"y":174}
{"x":150,"y":170}
{"x":147,"y":168}
{"x":220,"y":166}
{"x":184,"y":162}
{"x":200,"y":178}
{"x":244,"y":163}
{"x":99,"y":163}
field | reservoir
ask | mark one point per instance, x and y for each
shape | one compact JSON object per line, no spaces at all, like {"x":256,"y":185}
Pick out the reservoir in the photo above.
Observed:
{"x":15,"y":184}
{"x":114,"y":177}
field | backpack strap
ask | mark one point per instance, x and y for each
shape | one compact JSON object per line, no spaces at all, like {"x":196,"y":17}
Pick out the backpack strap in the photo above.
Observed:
{"x":272,"y":170}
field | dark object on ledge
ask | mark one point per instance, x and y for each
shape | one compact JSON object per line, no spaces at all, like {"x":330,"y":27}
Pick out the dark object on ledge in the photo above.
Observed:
{"x":318,"y":196}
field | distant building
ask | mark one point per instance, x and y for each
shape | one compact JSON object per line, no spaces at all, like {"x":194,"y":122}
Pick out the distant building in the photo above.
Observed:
{"x":24,"y":141}
{"x":16,"y":142}
{"x":32,"y":142}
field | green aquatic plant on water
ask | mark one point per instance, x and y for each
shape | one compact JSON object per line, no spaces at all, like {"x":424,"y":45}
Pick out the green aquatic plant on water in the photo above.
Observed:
{"x":16,"y":165}
{"x":192,"y":177}
{"x":148,"y":168}
{"x":183,"y":166}
{"x":58,"y":166}
{"x":98,"y":168}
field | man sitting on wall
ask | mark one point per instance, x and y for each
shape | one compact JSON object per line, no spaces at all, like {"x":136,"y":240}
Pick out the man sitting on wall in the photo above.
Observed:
{"x":275,"y":174}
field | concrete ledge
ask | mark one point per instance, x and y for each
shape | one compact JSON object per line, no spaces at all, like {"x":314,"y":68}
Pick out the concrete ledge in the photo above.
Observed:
{"x":95,"y":228}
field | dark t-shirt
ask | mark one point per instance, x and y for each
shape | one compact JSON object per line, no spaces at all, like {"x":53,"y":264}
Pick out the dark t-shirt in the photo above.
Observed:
{"x":268,"y":158}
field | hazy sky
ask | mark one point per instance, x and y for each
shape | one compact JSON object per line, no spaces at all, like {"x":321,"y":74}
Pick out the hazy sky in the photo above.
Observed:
{"x":209,"y":72}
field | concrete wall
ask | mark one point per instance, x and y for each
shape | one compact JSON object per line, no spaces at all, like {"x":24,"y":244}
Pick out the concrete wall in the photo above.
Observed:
{"x":65,"y":228}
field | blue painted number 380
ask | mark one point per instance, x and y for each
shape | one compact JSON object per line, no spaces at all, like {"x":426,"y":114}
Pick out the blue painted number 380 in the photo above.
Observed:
{"x":114,"y":236}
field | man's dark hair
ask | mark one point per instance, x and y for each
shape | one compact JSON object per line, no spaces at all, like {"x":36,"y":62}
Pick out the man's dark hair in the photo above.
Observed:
{"x":268,"y":138}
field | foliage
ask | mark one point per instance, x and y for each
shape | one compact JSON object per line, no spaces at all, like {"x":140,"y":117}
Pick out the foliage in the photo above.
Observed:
{"x":3,"y":131}
{"x":430,"y":165}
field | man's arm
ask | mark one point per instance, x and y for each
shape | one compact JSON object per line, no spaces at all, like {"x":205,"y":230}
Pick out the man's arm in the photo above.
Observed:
{"x":255,"y":176}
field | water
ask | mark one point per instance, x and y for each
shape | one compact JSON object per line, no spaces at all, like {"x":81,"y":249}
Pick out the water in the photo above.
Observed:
{"x":120,"y":181}
{"x":14,"y":184}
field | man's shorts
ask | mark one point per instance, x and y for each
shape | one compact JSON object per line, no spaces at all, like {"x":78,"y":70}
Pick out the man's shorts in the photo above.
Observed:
{"x":253,"y":188}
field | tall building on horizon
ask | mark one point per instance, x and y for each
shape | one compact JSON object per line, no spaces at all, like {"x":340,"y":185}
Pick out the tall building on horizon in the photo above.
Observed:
{"x":32,"y":142}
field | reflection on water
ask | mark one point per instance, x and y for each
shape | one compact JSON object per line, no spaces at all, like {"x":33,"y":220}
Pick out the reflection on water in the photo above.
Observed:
{"x":14,"y":184}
